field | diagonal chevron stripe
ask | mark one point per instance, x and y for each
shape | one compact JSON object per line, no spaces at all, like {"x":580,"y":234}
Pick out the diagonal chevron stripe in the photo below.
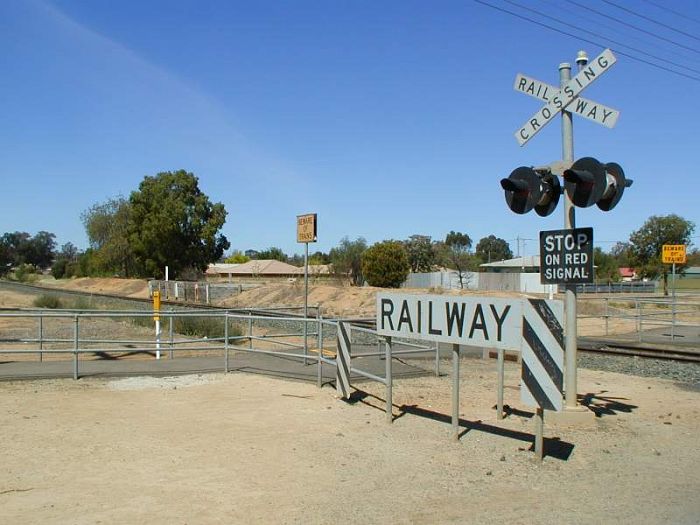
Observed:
{"x":543,"y":356}
{"x":534,"y":389}
{"x":342,"y":377}
{"x":550,"y":319}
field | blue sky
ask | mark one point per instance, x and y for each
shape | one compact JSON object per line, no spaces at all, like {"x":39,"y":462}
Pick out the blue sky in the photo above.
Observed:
{"x":387,"y":118}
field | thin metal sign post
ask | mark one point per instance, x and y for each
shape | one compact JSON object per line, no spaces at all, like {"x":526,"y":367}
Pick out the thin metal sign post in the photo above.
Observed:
{"x":673,"y":301}
{"x":455,"y":392}
{"x":306,"y":299}
{"x":306,"y":233}
{"x":673,"y":253}
{"x":567,"y":151}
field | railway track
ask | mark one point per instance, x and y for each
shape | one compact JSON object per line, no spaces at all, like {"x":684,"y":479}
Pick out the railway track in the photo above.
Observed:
{"x":281,"y":311}
{"x":671,"y":354}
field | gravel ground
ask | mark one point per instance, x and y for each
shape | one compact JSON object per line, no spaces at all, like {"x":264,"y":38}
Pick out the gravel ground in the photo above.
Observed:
{"x":687,"y":373}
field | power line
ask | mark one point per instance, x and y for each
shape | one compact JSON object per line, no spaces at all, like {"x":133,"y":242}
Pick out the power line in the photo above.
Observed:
{"x":677,"y":13}
{"x":592,"y":42}
{"x":596,"y":20}
{"x":636,"y":28}
{"x":563,"y":22}
{"x":630,"y":11}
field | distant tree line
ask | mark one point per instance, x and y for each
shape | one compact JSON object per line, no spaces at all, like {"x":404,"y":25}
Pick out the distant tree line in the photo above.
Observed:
{"x":169,"y":221}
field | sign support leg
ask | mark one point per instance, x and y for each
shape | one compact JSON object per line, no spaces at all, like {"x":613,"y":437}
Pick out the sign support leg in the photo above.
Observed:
{"x":539,"y":434}
{"x":389,"y":381}
{"x":306,"y":300}
{"x":673,"y":301}
{"x":501,"y":373}
{"x":455,"y":392}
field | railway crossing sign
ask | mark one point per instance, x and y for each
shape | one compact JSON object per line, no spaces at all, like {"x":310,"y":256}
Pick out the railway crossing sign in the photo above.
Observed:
{"x":560,"y":99}
{"x":581,"y":106}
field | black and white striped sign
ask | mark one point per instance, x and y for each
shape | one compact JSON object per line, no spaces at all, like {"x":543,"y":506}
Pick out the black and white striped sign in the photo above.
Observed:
{"x":342,"y":374}
{"x":543,"y":354}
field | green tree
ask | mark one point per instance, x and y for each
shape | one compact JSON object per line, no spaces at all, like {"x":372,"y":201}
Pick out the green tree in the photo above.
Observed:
{"x":693,"y":257}
{"x":237,"y":257}
{"x":646,"y":244}
{"x":493,"y":248}
{"x":319,"y":257}
{"x":18,"y":248}
{"x":421,"y":255}
{"x":66,"y":263}
{"x":386,"y":264}
{"x":455,"y":254}
{"x":107,"y":228}
{"x":606,"y":267}
{"x":6,"y":258}
{"x":461,"y":240}
{"x":346,"y":259}
{"x":272,"y":253}
{"x":622,"y":252}
{"x":172,"y":222}
{"x":39,"y":250}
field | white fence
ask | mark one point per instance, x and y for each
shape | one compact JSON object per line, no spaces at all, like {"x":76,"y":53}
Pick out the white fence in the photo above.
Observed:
{"x":504,"y":282}
{"x":444,"y":280}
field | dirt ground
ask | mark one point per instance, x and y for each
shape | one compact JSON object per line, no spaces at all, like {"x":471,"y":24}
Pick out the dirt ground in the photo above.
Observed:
{"x":335,"y":300}
{"x":243,"y":448}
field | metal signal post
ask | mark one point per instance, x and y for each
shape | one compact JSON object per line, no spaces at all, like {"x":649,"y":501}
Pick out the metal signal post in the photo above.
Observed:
{"x":586,"y":181}
{"x":567,"y":152}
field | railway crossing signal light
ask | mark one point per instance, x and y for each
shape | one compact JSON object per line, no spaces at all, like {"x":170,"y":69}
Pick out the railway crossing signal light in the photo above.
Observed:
{"x":590,"y":182}
{"x":527,"y":188}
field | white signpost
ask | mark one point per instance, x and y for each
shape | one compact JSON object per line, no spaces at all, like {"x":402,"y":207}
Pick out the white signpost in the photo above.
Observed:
{"x":560,"y":99}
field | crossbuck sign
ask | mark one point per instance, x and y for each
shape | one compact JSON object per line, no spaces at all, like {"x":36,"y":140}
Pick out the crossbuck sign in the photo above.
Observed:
{"x":559,"y":99}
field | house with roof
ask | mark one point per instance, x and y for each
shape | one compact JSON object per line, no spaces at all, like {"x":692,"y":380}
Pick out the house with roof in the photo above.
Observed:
{"x":265,"y":270}
{"x":627,"y":274}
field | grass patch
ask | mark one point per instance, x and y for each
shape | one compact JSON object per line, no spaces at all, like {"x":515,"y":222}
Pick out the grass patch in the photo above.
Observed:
{"x":199,"y":326}
{"x":47,"y":301}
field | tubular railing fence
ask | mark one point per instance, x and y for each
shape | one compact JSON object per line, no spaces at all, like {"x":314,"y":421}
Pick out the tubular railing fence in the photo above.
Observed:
{"x":79,"y":335}
{"x":642,"y":317}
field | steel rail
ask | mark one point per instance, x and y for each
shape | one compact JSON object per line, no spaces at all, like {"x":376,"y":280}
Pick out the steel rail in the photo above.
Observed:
{"x":632,"y":351}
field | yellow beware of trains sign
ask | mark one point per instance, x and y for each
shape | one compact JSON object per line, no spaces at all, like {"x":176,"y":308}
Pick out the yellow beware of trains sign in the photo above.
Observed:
{"x":673,"y":253}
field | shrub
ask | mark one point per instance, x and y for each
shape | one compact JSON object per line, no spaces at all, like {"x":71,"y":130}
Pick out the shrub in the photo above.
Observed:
{"x":25,"y":273}
{"x":385,"y":264}
{"x":47,"y":301}
{"x":58,"y":270}
{"x":210,"y":327}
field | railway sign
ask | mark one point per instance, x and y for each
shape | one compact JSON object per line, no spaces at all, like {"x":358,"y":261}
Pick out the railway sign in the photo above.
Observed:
{"x":488,"y":322}
{"x":561,"y":100}
{"x":566,"y":256}
{"x":673,"y":254}
{"x":581,"y":106}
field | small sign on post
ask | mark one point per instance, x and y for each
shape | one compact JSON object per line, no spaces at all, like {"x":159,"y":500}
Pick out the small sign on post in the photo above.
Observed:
{"x":306,"y":228}
{"x":156,"y":305}
{"x":566,"y":256}
{"x":306,"y":233}
{"x":673,"y":254}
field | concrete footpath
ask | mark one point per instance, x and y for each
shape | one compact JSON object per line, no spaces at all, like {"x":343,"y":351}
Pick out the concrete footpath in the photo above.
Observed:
{"x":276,"y":366}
